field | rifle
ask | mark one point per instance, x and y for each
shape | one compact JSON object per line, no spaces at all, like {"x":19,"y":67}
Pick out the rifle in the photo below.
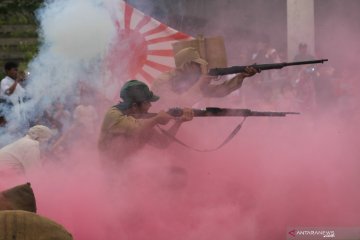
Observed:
{"x":259,"y":67}
{"x":216,"y":112}
{"x":219,"y":112}
{"x":224,"y":112}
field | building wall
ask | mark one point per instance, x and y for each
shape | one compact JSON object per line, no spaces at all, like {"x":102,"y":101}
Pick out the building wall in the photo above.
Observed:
{"x":337,"y":35}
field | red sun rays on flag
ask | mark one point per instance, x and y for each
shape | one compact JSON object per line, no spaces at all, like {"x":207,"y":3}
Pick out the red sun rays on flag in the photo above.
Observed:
{"x":143,"y":47}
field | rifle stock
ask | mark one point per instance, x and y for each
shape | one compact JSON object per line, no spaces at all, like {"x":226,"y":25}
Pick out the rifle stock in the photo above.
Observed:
{"x":260,"y":67}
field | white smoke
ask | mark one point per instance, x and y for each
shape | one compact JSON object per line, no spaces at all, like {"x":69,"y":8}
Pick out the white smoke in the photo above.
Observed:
{"x":75,"y":36}
{"x":77,"y":30}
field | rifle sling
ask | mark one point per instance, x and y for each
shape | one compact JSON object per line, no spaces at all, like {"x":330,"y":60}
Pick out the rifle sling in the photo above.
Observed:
{"x":231,"y":136}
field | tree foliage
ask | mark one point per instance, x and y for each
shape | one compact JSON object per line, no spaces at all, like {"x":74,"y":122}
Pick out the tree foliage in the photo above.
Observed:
{"x":18,"y":30}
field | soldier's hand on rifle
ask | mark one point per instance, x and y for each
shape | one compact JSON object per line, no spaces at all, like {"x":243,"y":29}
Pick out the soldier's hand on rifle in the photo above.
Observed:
{"x":249,"y":71}
{"x":163,"y":118}
{"x":204,"y":80}
{"x":188,"y":115}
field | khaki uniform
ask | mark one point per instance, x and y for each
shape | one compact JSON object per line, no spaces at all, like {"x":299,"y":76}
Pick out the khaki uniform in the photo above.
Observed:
{"x":18,"y":198}
{"x":165,"y":84}
{"x":23,"y":225}
{"x":19,"y":221}
{"x":118,"y":135}
{"x":171,"y":96}
{"x":122,"y":135}
{"x":184,"y":87}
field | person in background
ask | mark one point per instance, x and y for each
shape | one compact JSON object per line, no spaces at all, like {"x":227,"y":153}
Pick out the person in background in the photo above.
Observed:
{"x":303,"y":54}
{"x":22,"y":78}
{"x":12,"y":94}
{"x":23,"y":155}
{"x":264,"y":52}
{"x":82,"y":129}
{"x":11,"y":90}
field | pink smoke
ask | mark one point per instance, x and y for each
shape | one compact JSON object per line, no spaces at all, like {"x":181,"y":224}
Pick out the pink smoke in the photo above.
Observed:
{"x":276,"y":173}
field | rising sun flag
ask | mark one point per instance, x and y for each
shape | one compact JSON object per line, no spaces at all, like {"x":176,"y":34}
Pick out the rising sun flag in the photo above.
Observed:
{"x":143,"y":46}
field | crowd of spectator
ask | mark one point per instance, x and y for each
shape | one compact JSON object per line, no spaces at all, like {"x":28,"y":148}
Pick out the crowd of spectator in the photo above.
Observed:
{"x":305,"y":88}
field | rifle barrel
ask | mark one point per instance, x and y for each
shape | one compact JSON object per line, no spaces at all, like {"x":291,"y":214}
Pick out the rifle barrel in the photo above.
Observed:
{"x":231,"y":112}
{"x":306,"y":62}
{"x":239,"y":69}
{"x":224,"y":112}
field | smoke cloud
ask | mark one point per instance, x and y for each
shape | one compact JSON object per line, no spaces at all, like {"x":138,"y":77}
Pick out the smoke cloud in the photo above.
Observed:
{"x":297,"y":171}
{"x":77,"y":30}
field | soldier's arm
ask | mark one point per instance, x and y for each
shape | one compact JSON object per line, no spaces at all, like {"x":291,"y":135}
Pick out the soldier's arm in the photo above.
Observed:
{"x":227,"y":87}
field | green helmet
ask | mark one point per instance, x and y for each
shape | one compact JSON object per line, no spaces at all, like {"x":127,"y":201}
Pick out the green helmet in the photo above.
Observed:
{"x":137,"y":91}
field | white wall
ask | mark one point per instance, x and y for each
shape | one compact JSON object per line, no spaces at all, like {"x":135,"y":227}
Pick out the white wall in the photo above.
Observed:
{"x":300,"y":25}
